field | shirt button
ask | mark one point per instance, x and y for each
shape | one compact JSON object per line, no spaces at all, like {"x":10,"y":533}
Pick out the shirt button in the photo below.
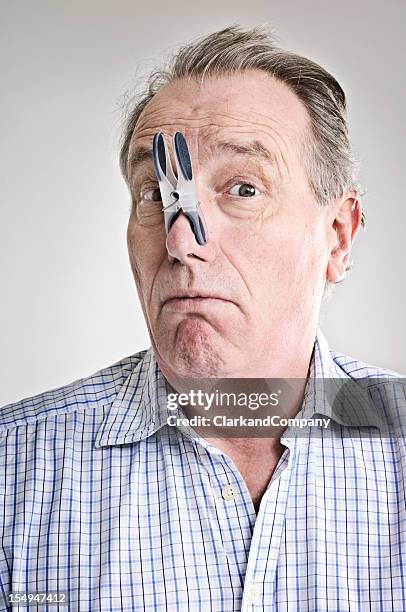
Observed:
{"x":228,"y":492}
{"x":253,"y":592}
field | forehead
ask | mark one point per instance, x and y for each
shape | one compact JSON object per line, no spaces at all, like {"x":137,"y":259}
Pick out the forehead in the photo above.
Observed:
{"x":238,"y":106}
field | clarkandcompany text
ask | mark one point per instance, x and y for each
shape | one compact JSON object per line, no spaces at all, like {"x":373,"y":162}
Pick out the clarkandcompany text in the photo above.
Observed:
{"x":240,"y":421}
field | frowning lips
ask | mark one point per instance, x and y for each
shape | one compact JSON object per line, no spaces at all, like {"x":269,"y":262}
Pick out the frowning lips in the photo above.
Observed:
{"x":194,"y":295}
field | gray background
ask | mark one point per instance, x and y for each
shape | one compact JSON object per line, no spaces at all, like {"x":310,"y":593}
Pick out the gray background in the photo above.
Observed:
{"x":69,"y":305}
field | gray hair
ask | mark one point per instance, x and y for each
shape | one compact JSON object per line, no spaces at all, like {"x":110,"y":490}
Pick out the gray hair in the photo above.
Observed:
{"x":327,"y":154}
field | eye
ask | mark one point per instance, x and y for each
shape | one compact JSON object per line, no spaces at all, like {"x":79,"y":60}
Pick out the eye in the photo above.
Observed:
{"x":244,"y":190}
{"x":151,"y":195}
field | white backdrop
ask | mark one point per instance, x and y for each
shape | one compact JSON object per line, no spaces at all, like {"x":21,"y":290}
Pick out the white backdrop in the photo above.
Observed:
{"x":69,"y":304}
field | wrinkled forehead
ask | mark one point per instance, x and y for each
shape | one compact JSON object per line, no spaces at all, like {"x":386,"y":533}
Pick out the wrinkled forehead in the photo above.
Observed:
{"x":248,"y":108}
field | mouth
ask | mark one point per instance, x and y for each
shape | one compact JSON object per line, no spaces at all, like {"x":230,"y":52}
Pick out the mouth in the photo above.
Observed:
{"x":195,"y":295}
{"x":192,"y":300}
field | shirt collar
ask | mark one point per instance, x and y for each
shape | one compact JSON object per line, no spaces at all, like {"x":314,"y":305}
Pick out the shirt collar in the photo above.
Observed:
{"x":140,"y":407}
{"x":138,"y":410}
{"x":333,"y":393}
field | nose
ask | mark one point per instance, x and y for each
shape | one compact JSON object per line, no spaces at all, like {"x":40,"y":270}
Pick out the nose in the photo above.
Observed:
{"x":182,"y":245}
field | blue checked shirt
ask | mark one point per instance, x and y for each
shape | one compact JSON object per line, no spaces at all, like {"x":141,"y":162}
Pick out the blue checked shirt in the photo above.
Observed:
{"x":101,"y":499}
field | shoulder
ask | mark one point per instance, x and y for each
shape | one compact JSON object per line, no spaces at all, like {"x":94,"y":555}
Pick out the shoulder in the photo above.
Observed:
{"x":334,"y":364}
{"x":382,"y":390}
{"x":94,"y":391}
{"x":354,"y":368}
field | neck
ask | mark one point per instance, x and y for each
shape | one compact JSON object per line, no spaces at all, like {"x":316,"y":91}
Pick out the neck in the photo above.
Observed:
{"x":255,"y":457}
{"x":246,"y":396}
{"x":289,"y":357}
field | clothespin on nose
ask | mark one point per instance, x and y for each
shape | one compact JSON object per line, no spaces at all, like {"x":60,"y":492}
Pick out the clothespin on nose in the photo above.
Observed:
{"x":178,"y":193}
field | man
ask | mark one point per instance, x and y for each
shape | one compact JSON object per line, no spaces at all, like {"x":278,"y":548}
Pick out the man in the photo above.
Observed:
{"x":107,"y":502}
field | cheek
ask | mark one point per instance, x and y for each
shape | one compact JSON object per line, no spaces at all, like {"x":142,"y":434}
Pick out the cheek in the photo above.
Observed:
{"x":281,"y":257}
{"x":143,"y":255}
{"x":133,"y":250}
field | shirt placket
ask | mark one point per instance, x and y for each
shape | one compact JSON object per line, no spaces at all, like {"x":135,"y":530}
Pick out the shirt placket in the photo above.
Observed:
{"x":266,"y":540}
{"x":236,"y":512}
{"x":256,"y":552}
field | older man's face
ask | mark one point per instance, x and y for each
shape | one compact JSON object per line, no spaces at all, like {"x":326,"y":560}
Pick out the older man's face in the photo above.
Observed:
{"x":234,"y":305}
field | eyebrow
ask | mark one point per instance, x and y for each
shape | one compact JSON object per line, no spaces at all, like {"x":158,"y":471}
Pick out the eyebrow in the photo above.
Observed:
{"x":253,"y":149}
{"x":139,"y":156}
{"x":142,"y":155}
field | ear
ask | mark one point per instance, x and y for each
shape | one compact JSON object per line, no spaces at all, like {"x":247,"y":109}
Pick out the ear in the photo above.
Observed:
{"x":346,"y":223}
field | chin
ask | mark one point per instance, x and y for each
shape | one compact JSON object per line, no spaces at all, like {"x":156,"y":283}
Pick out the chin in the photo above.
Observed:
{"x":193,"y":349}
